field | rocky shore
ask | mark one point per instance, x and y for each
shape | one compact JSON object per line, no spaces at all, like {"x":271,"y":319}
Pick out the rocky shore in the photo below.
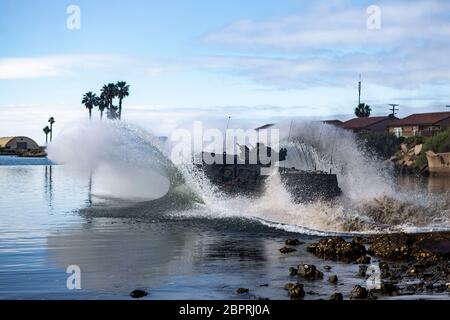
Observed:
{"x":392,"y":264}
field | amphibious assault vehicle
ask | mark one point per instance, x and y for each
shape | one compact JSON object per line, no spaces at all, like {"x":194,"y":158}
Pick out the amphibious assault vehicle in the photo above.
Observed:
{"x":247,"y":173}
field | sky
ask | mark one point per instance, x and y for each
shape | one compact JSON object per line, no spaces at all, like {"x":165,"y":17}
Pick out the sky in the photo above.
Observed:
{"x":202,"y":59}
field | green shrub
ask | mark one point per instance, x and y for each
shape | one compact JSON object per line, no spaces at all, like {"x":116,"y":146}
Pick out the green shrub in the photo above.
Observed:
{"x":438,"y":143}
{"x":415,"y":140}
{"x":383,"y":144}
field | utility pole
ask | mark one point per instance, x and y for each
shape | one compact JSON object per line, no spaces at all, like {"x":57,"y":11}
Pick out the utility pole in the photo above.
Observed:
{"x":394,"y":108}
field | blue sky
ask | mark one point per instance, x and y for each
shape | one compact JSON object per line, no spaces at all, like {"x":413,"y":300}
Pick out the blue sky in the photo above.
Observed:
{"x":198,"y":59}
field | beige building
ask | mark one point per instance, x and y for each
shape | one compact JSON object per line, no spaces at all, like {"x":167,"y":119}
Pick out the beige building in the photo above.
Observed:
{"x":18,"y":143}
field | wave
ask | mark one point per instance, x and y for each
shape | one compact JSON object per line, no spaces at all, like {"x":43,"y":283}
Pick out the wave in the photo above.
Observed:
{"x":132,"y":175}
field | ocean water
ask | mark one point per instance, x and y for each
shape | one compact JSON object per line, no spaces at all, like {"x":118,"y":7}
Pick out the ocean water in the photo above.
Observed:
{"x":43,"y":230}
{"x":130,"y":218}
{"x":45,"y":227}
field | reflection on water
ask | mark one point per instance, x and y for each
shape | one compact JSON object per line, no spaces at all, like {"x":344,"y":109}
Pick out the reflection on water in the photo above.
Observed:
{"x":432,"y":183}
{"x":47,"y":223}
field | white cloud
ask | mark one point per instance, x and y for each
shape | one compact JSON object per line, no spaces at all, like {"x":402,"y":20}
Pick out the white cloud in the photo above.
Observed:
{"x":324,"y":25}
{"x":75,"y":64}
{"x":328,"y":45}
{"x":52,"y":66}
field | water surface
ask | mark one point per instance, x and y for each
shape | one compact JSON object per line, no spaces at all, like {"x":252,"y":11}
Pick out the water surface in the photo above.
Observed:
{"x":46,"y":225}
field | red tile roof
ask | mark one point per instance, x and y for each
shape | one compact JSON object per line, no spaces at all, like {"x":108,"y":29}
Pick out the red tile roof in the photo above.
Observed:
{"x":362,"y":123}
{"x":421,"y":119}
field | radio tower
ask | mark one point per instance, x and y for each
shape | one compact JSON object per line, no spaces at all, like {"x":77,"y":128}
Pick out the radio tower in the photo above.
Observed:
{"x":394,"y":108}
{"x":359,"y":90}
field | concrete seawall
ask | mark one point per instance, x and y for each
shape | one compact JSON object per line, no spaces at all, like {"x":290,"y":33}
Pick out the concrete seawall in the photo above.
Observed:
{"x":438,"y":162}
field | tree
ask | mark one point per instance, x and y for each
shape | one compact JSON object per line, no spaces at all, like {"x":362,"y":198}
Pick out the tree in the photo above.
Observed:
{"x":90,"y":100}
{"x":109,"y":92}
{"x":102,"y":104}
{"x":363,"y":110}
{"x":122,"y":92}
{"x":51,"y":120}
{"x":46,"y":131}
{"x":112,"y":112}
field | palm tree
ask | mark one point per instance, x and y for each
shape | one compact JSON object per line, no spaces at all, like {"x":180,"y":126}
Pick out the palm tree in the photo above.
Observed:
{"x":90,"y":100}
{"x":122,"y":92}
{"x":363,"y":110}
{"x":112,"y":112}
{"x":51,"y":120}
{"x":46,"y":131}
{"x":109,"y":91}
{"x":102,"y":104}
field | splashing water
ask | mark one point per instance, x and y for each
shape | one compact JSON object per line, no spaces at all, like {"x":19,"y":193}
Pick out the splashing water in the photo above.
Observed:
{"x":123,"y":161}
{"x":129,"y":164}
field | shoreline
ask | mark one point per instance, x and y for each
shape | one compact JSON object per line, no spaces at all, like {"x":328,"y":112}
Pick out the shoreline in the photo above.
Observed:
{"x":396,"y":264}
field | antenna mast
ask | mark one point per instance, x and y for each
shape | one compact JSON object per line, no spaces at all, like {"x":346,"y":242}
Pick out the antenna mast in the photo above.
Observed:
{"x":359,"y":90}
{"x":228,"y":122}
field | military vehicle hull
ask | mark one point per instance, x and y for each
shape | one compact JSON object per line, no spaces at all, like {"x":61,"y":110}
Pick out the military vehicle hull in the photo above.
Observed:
{"x":247,"y":179}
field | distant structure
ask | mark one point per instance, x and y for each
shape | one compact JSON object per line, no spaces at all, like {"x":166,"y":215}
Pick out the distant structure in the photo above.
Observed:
{"x":394,"y":108}
{"x":420,"y":124}
{"x":368,"y":124}
{"x":19,"y":143}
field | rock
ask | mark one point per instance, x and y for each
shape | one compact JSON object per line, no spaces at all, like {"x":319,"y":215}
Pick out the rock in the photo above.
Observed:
{"x":242,"y":290}
{"x":293,"y":242}
{"x":309,"y":271}
{"x":138,"y":293}
{"x":404,"y":147}
{"x":384,"y":266}
{"x":264,"y":285}
{"x":289,"y":286}
{"x":428,"y":248}
{"x":336,"y":248}
{"x":391,"y":246}
{"x":336,"y":296}
{"x":358,"y":292}
{"x":327,"y":267}
{"x":362,"y":271}
{"x":388,"y":288}
{"x":363,"y":260}
{"x":292,"y":271}
{"x":333,"y":279}
{"x":357,"y":239}
{"x":371,"y":296}
{"x":296,"y":291}
{"x":285,"y":250}
{"x":418,"y":149}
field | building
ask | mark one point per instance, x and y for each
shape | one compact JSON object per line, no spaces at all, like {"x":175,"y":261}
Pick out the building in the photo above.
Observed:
{"x":369,"y":124}
{"x":420,"y":124}
{"x":18,"y":143}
